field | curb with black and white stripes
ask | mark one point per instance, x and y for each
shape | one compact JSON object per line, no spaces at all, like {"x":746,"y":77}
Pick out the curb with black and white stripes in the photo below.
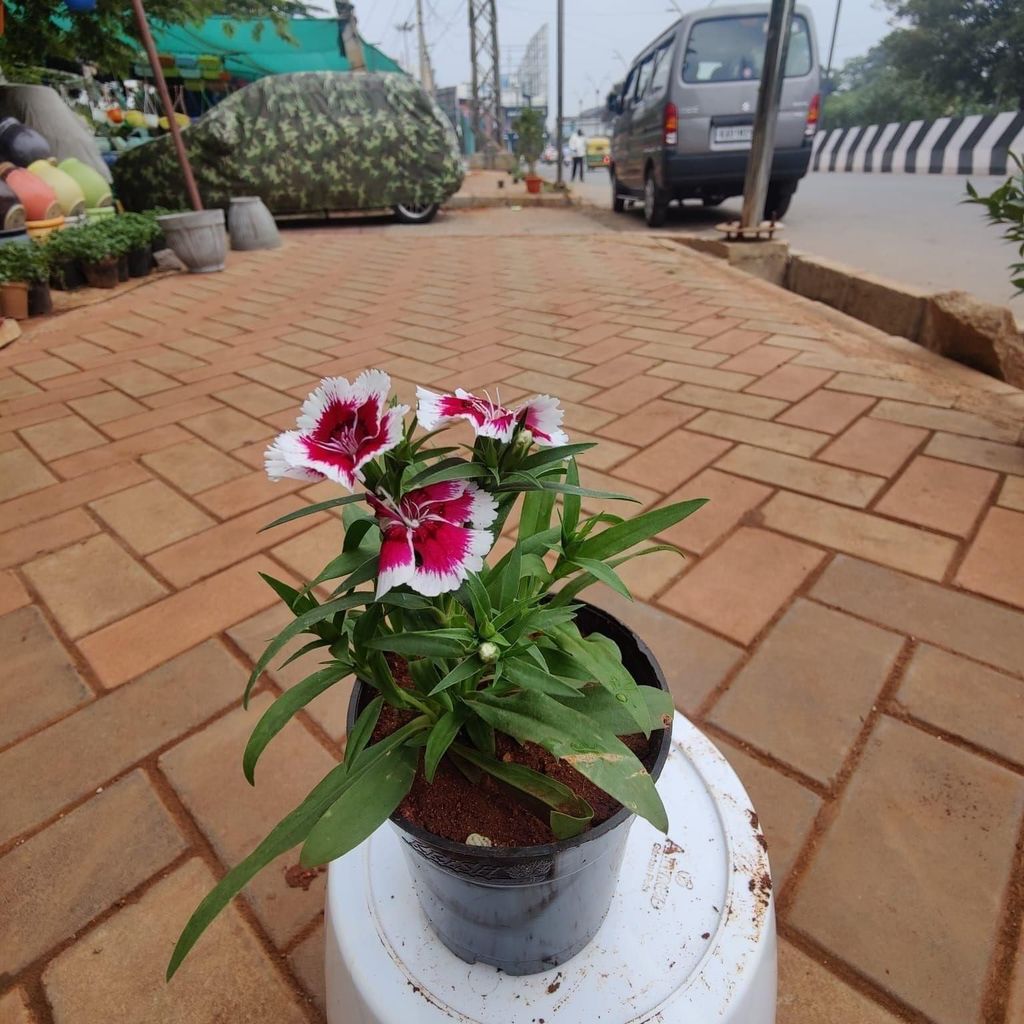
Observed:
{"x":978,"y":144}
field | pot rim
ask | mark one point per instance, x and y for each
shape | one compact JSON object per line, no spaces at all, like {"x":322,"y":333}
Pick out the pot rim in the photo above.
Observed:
{"x":191,"y":219}
{"x":499,"y":853}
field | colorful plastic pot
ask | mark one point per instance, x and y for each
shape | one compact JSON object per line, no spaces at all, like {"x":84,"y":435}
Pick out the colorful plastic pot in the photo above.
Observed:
{"x":183,"y":121}
{"x":20,"y":144}
{"x":12,"y":213}
{"x":94,"y":213}
{"x":95,"y":189}
{"x":39,"y":200}
{"x":69,"y":192}
{"x":40,"y":229}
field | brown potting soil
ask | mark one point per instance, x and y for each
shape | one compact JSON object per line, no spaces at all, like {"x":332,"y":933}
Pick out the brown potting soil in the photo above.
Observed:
{"x":453,"y":807}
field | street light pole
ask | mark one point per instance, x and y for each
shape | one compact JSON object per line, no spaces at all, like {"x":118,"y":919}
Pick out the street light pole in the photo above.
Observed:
{"x":165,"y":98}
{"x":762,"y":146}
{"x":560,"y":180}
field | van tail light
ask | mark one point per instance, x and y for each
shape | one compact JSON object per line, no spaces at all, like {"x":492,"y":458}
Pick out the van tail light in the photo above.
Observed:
{"x":670,"y":125}
{"x":813,"y":114}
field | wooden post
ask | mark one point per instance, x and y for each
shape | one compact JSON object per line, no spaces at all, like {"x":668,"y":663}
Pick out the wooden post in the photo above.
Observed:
{"x":165,"y":98}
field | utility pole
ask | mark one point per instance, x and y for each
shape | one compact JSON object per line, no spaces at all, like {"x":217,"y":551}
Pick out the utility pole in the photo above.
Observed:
{"x":762,"y":146}
{"x":560,"y":75}
{"x":485,"y":67}
{"x":405,"y":28}
{"x":426,"y":72}
{"x":348,"y":32}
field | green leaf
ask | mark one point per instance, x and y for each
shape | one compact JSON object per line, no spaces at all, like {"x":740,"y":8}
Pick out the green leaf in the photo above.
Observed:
{"x":305,"y":649}
{"x":626,"y":534}
{"x":284,"y":708}
{"x":446,"y":469}
{"x":528,"y":675}
{"x":295,"y":599}
{"x":548,"y":455}
{"x":604,"y":573}
{"x":536,"y":514}
{"x":608,"y":714}
{"x":300,"y":625}
{"x":570,"y":814}
{"x":433,"y":644}
{"x":600,"y":656}
{"x":311,"y":509}
{"x":573,"y":737}
{"x":373,"y":789}
{"x":345,"y":563}
{"x":477,"y":600}
{"x":403,"y":599}
{"x":481,"y":734}
{"x":509,"y":585}
{"x":572,"y":503}
{"x":362,"y":730}
{"x":440,"y":739}
{"x":463,"y":671}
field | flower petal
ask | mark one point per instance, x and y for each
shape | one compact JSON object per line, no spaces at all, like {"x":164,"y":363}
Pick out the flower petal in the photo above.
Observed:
{"x":333,"y":397}
{"x":542,"y":416}
{"x":390,"y":431}
{"x":445,"y":555}
{"x":487,"y":418}
{"x":286,"y":458}
{"x":397,"y":562}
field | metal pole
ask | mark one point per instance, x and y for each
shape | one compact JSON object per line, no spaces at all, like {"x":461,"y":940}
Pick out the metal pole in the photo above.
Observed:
{"x":560,"y":74}
{"x":832,"y":45}
{"x":762,"y":146}
{"x":426,"y":72}
{"x":165,"y":98}
{"x":475,"y":83}
{"x":499,"y":120}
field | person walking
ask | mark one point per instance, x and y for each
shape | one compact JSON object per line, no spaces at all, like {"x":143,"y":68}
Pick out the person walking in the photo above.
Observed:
{"x":578,"y":151}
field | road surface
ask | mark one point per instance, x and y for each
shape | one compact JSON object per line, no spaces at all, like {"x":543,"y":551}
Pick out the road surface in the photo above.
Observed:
{"x":911,"y":228}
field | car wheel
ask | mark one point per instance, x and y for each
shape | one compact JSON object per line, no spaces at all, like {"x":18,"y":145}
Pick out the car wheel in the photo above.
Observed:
{"x":655,"y":203}
{"x":416,"y":213}
{"x":776,"y":203}
{"x":618,"y":202}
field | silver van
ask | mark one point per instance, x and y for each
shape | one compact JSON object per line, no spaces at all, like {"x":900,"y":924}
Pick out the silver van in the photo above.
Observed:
{"x":684,"y":117}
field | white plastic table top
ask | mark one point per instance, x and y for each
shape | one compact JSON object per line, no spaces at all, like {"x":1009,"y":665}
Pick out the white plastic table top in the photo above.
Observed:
{"x":689,"y":939}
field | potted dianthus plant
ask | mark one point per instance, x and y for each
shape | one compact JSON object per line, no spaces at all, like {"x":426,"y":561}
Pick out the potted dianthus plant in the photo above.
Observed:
{"x":529,"y":129}
{"x":508,"y":730}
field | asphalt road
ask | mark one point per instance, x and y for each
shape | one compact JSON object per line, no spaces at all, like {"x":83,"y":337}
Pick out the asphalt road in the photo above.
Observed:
{"x":909,"y":227}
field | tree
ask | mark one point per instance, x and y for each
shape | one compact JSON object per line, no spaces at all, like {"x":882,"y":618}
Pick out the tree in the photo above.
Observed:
{"x":962,"y":48}
{"x":42,"y":32}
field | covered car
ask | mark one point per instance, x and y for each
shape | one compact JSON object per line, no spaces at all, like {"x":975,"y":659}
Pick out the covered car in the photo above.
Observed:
{"x":308,"y":143}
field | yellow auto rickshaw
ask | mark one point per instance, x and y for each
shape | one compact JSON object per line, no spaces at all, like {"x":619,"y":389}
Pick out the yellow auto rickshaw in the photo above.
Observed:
{"x":598,"y":152}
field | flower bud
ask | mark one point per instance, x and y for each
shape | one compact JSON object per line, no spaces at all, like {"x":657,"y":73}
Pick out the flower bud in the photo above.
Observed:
{"x":488,"y":652}
{"x":523,"y":443}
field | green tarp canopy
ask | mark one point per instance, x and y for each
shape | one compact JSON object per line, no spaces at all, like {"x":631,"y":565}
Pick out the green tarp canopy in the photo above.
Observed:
{"x":252,"y":48}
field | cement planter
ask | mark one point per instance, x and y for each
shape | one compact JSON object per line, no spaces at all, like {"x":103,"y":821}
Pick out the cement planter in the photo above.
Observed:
{"x":197,"y":239}
{"x":251,"y":225}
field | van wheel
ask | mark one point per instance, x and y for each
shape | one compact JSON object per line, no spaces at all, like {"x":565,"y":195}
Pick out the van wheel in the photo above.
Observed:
{"x":780,"y":195}
{"x":618,"y":202}
{"x":655,"y":203}
{"x":415,"y":213}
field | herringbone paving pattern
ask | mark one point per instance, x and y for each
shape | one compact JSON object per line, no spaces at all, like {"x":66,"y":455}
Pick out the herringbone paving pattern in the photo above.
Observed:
{"x":848,"y":626}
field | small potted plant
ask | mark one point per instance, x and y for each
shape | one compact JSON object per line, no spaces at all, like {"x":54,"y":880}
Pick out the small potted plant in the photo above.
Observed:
{"x":529,"y":128}
{"x":62,"y":257}
{"x":97,"y":252}
{"x":509,"y":731}
{"x":15,"y":258}
{"x":37,"y":273}
{"x":142,"y":232}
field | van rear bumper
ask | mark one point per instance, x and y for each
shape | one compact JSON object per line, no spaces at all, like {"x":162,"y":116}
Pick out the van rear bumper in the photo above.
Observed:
{"x":699,"y":174}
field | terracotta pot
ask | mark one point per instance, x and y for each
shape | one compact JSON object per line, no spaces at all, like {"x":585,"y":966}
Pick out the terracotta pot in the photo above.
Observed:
{"x":533,"y":184}
{"x":68,"y":191}
{"x":95,"y":189}
{"x":40,"y":301}
{"x":14,"y":300}
{"x":20,"y":144}
{"x":102,"y":274}
{"x":197,"y":238}
{"x":251,"y":225}
{"x":39,"y":200}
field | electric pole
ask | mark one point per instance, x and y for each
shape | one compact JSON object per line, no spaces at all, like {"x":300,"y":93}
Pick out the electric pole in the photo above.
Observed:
{"x":560,"y":75}
{"x":405,"y":28}
{"x":485,"y":67}
{"x":426,"y":72}
{"x":762,"y":146}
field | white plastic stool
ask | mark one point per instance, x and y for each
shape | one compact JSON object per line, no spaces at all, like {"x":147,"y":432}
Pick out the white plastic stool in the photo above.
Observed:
{"x":689,"y":939}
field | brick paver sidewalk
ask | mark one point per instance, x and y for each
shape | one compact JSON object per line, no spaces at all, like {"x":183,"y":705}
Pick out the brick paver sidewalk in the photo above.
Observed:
{"x":848,"y":628}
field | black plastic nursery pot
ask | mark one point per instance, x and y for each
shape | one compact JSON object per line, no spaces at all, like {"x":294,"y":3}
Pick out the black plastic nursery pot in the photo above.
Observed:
{"x":140,"y":262}
{"x":67,"y":276}
{"x":526,"y":909}
{"x":40,"y":301}
{"x":123,"y":269}
{"x":102,"y":274}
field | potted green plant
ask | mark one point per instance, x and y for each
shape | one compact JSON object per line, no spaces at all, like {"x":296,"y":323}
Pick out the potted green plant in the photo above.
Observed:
{"x":14,"y":279}
{"x":508,"y":731}
{"x":97,"y":251}
{"x":37,"y":272}
{"x":62,"y":256}
{"x":529,"y":128}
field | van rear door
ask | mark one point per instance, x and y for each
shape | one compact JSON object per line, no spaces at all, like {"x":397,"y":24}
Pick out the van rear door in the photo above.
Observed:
{"x":721,"y":72}
{"x":649,"y":116}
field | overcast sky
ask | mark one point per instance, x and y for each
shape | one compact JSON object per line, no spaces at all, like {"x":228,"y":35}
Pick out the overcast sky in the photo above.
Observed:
{"x":597,"y":34}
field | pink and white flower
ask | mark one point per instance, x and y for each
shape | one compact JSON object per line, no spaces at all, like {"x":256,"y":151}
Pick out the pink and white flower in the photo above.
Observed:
{"x":342,"y":427}
{"x":541,"y":415}
{"x":433,"y":536}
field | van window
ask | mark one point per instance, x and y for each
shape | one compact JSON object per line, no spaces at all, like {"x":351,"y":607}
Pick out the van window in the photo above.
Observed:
{"x":662,"y":67}
{"x":732,"y":49}
{"x":627,"y":89}
{"x":643,"y":77}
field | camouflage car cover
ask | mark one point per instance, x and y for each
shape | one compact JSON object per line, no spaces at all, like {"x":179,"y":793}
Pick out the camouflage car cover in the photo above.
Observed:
{"x":306,"y":143}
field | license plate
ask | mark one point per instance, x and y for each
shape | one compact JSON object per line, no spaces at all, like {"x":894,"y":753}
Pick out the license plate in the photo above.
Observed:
{"x":739,"y":133}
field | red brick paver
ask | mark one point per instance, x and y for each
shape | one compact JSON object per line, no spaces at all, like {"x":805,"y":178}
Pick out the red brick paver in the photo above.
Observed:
{"x":848,"y":624}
